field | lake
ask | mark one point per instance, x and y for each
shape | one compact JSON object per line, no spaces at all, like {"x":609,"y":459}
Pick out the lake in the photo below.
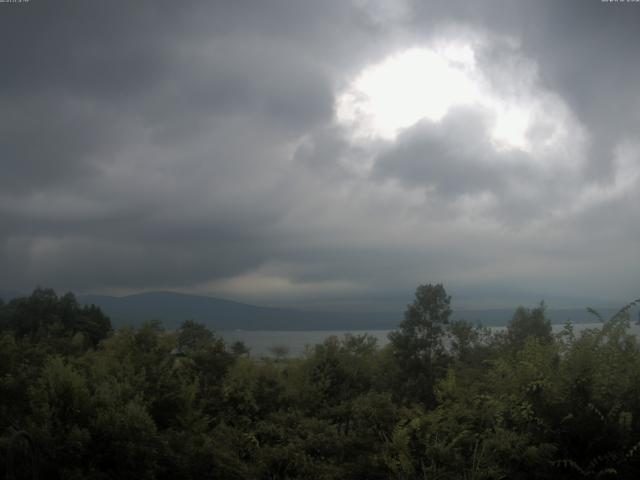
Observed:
{"x":261,"y":341}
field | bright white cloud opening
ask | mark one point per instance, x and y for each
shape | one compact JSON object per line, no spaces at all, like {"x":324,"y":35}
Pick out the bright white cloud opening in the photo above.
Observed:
{"x":427,"y":82}
{"x":416,"y":84}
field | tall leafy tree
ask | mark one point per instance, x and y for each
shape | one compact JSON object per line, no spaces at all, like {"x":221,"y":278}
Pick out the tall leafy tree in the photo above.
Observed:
{"x":529,"y":323}
{"x":418,"y":343}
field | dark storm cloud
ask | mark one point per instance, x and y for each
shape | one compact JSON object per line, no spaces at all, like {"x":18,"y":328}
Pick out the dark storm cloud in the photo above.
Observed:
{"x":145,"y":145}
{"x":453,"y":156}
{"x":50,"y":139}
{"x":589,"y":54}
{"x":455,"y":159}
{"x":81,"y":76}
{"x":181,"y":144}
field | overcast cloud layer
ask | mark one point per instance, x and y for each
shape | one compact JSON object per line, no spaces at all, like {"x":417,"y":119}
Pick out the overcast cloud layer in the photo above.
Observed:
{"x":199,"y":147}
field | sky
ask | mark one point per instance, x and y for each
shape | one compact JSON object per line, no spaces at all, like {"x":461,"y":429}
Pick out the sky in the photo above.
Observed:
{"x":325,"y":154}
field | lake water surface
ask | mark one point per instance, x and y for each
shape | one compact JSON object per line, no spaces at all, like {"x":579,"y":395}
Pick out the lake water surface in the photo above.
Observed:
{"x":260,"y":342}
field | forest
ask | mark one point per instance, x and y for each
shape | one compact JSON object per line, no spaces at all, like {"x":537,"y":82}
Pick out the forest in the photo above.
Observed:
{"x":443,"y":400}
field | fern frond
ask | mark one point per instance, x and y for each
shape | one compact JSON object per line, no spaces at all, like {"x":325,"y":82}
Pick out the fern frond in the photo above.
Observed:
{"x":569,"y":464}
{"x":626,"y":308}
{"x":595,"y":313}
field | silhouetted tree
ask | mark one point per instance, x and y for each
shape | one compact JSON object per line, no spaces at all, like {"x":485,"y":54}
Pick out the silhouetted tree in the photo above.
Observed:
{"x":417,"y":345}
{"x":529,"y":323}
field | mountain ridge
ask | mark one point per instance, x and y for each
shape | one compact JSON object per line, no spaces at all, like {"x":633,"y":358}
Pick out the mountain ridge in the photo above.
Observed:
{"x":220,"y":314}
{"x":172,"y":308}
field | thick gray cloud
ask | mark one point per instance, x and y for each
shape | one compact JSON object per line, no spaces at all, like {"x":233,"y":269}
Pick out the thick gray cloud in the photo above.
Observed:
{"x":196,"y":146}
{"x":453,"y":156}
{"x":585,"y":50}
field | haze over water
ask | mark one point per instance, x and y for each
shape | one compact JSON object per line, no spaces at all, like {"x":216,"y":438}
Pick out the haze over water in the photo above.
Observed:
{"x":261,"y":343}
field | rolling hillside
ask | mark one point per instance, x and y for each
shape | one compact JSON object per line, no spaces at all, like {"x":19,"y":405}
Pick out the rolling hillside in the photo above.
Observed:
{"x":173,"y":308}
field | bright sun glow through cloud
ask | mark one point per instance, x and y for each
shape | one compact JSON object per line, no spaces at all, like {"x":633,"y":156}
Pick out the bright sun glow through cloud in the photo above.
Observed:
{"x":424,"y":83}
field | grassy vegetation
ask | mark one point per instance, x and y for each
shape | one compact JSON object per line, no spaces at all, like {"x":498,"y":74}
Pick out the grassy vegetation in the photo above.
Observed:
{"x":443,"y":400}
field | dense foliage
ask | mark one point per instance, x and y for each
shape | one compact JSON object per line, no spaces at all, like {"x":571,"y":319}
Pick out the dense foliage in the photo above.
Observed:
{"x":444,"y":400}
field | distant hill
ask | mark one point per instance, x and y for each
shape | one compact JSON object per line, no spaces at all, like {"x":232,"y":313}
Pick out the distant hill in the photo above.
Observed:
{"x":7,"y":295}
{"x":173,"y":308}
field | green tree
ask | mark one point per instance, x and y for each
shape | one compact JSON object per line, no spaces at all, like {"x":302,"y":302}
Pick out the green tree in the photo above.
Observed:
{"x":62,"y":409}
{"x":529,"y":323}
{"x":193,"y":335}
{"x":56,"y":320}
{"x":239,"y":348}
{"x":418,"y":344}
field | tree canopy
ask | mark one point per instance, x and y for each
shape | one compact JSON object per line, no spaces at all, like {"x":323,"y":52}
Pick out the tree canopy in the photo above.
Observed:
{"x":444,"y":399}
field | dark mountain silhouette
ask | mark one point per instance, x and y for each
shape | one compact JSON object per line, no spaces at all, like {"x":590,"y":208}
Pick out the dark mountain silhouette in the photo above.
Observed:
{"x":173,"y":308}
{"x":7,"y":295}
